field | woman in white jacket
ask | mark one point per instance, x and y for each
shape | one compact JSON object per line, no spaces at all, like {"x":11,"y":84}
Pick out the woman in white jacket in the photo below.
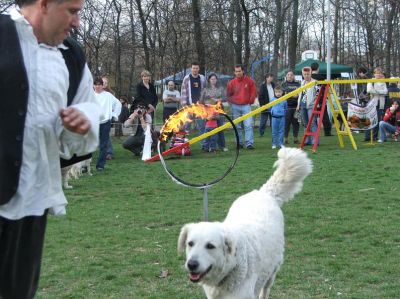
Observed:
{"x":377,"y":92}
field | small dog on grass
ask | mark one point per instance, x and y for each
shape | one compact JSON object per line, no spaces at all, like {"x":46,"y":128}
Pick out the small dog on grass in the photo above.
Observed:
{"x":74,"y":172}
{"x":239,"y":257}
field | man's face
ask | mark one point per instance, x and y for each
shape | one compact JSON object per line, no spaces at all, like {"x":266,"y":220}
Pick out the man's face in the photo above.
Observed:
{"x":171,"y":85}
{"x":195,"y":70}
{"x":290,"y":76}
{"x":58,"y":19}
{"x":98,"y":87}
{"x":239,"y":72}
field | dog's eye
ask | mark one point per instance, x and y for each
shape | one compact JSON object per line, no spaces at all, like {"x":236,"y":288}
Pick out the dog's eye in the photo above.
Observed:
{"x":190,"y":244}
{"x":210,"y":246}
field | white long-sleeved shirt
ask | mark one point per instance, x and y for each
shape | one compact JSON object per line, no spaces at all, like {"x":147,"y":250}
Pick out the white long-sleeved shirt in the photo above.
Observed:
{"x":110,"y":106}
{"x":45,"y":139}
{"x":378,"y":91}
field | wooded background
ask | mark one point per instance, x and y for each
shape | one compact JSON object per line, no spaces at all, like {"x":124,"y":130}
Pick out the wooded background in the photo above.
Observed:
{"x":123,"y":37}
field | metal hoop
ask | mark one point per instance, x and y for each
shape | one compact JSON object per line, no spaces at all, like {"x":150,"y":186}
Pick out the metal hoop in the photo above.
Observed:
{"x":209,"y":184}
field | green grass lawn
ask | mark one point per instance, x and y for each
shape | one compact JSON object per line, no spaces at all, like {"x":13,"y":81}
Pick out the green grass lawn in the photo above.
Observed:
{"x":119,"y":237}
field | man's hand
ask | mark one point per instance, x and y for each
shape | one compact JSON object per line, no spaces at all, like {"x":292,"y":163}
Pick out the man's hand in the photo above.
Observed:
{"x":74,"y":120}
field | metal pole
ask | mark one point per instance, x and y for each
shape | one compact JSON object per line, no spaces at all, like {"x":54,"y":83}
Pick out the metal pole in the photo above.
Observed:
{"x":205,"y":203}
{"x":328,"y":41}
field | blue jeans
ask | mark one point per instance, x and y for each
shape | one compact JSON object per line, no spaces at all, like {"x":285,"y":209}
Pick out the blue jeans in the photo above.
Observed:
{"x":278,"y":130}
{"x":237,"y":111}
{"x":210,"y":143}
{"x":305,"y":116}
{"x":263,"y":121}
{"x":385,"y":127}
{"x":104,"y":139}
{"x":221,"y":135}
{"x":110,"y":149}
{"x":367,"y":136}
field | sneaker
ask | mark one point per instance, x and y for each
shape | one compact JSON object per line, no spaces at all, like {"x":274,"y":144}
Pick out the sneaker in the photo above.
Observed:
{"x":380,"y":141}
{"x":274,"y":147}
{"x":250,"y":147}
{"x":240,"y":145}
{"x":225,"y":149}
{"x":282,"y":146}
{"x":295,"y":141}
{"x":100,"y":168}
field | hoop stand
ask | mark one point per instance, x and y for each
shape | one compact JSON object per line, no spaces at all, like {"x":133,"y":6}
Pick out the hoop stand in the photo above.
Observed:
{"x":205,"y":202}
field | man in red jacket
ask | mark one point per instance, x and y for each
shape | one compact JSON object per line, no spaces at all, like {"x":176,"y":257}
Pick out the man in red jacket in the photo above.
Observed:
{"x":241,"y":93}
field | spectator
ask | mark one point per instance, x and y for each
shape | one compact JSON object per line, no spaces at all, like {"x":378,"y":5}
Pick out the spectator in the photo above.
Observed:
{"x":171,"y":99}
{"x":110,"y":108}
{"x":211,"y":94}
{"x":393,"y":92}
{"x":377,"y":92}
{"x":325,"y":120}
{"x":278,"y":112}
{"x":390,"y":123}
{"x":192,"y":86}
{"x":145,"y":93}
{"x":36,"y":127}
{"x":123,"y":116}
{"x":241,"y":93}
{"x":306,"y":102}
{"x":107,"y":86}
{"x":110,"y":149}
{"x":315,"y":72}
{"x":291,"y":117}
{"x":266,"y":93}
{"x":138,"y":120}
{"x":362,"y":87}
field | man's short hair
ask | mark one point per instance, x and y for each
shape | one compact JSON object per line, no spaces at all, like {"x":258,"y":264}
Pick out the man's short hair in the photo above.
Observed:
{"x":314,"y":66}
{"x":98,"y":81}
{"x":22,"y":3}
{"x":361,"y":69}
{"x":195,"y":63}
{"x":239,"y":66}
{"x":268,"y":75}
{"x":278,"y":88}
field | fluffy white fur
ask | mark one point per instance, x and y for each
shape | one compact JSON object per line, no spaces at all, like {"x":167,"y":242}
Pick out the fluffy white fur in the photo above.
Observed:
{"x":239,"y":258}
{"x":74,"y":172}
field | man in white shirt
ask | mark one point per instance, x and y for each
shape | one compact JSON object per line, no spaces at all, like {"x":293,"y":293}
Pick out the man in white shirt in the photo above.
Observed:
{"x":110,"y":108}
{"x":46,"y":129}
{"x":171,"y":99}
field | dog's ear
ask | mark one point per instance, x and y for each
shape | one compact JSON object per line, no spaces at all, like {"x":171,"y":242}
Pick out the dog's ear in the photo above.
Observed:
{"x":229,"y":243}
{"x":182,"y":238}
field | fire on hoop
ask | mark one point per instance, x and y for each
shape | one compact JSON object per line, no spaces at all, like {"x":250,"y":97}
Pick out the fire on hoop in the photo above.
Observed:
{"x":186,"y":115}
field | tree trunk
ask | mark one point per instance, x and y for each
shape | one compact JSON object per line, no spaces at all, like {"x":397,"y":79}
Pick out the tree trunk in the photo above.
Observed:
{"x":201,"y":56}
{"x":293,"y":36}
{"x":277,"y":36}
{"x":144,"y":35}
{"x":239,"y":33}
{"x":246,"y":14}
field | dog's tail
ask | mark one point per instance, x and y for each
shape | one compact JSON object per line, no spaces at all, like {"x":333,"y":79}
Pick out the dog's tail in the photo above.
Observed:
{"x":292,"y":167}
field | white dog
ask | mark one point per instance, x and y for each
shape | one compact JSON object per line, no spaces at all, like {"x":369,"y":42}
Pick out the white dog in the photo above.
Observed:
{"x":239,"y":258}
{"x":74,"y":171}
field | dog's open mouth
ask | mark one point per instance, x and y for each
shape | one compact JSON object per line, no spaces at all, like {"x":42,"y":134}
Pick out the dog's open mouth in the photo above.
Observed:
{"x":197,"y":276}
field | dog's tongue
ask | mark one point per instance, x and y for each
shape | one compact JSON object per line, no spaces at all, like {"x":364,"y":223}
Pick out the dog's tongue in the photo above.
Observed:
{"x":194,"y":276}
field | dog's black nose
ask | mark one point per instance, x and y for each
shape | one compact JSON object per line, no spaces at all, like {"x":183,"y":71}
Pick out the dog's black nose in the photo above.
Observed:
{"x":192,"y":265}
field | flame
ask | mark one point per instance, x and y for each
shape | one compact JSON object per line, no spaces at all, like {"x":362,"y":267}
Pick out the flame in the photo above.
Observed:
{"x":186,"y":115}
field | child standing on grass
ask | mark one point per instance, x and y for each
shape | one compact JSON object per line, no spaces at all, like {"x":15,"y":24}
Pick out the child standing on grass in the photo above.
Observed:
{"x":278,"y":112}
{"x":210,"y":143}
